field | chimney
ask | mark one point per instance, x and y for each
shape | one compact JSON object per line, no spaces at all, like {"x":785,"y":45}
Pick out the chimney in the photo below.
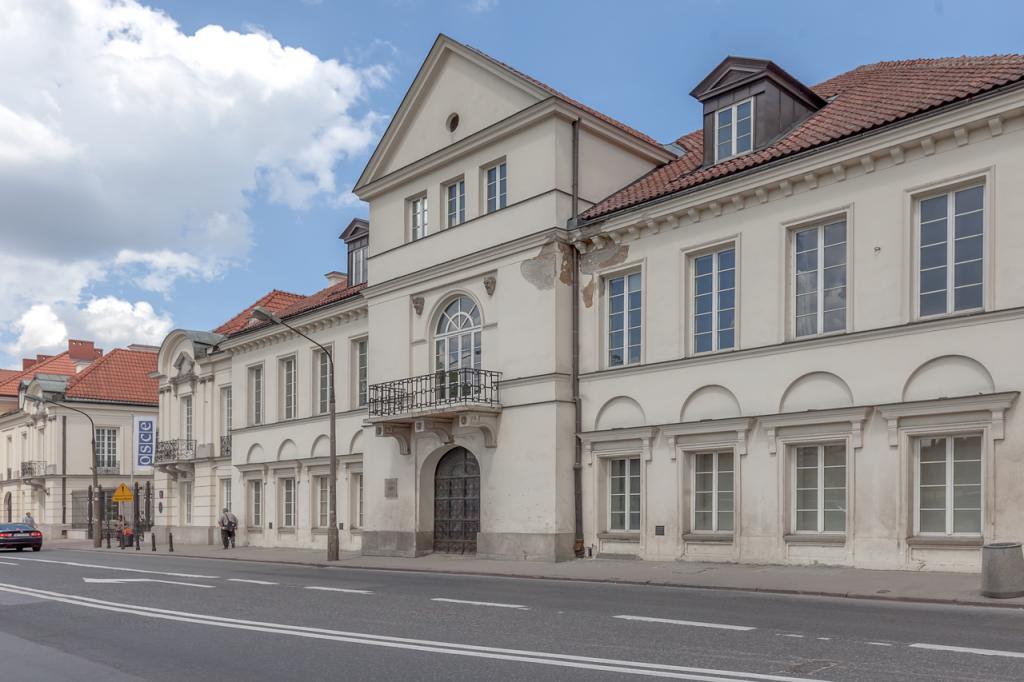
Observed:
{"x":83,"y":350}
{"x":26,"y":363}
{"x":334,"y":277}
{"x":40,"y":357}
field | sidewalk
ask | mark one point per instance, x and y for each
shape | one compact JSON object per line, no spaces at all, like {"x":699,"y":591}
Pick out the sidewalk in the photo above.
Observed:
{"x":854,"y":583}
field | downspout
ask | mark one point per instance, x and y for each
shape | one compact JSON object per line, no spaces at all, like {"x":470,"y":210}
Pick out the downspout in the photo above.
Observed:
{"x":63,"y":469}
{"x":577,"y":467}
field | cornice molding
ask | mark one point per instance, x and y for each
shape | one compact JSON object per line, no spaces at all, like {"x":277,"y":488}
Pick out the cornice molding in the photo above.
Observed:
{"x":995,"y":404}
{"x":328,"y":317}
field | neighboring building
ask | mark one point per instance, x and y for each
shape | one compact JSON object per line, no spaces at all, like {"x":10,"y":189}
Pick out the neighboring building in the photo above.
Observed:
{"x":45,"y":449}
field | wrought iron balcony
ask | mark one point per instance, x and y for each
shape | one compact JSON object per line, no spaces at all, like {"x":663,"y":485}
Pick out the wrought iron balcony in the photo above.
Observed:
{"x":225,"y":446}
{"x":178,"y":450}
{"x":108,"y":468}
{"x":436,"y":393}
{"x":33,"y":469}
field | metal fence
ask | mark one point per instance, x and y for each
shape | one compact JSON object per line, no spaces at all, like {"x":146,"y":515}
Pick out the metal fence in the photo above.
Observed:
{"x":439,"y":390}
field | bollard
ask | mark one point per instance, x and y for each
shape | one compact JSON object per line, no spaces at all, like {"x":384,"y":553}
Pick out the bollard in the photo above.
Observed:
{"x":1002,"y":570}
{"x":152,"y":534}
{"x":170,"y":541}
{"x":138,"y":542}
{"x":108,"y":539}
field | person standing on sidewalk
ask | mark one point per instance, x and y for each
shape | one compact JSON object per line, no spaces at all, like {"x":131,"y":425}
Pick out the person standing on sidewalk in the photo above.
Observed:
{"x":28,"y":520}
{"x":228,"y":522}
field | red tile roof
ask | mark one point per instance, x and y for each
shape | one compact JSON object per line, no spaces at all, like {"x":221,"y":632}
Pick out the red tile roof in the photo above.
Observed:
{"x":6,"y":374}
{"x":120,"y":376}
{"x":58,"y":364}
{"x":864,"y":99}
{"x":332,"y":294}
{"x":275,"y":301}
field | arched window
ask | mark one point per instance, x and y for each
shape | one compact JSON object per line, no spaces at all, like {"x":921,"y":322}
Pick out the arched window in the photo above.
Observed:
{"x":457,"y":339}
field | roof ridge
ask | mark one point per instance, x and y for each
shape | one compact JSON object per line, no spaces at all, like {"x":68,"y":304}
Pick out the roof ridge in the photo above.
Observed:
{"x":33,"y":368}
{"x":933,"y":61}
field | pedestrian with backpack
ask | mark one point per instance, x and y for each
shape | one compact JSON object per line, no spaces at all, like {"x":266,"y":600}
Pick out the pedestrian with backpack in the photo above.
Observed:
{"x":228,"y":522}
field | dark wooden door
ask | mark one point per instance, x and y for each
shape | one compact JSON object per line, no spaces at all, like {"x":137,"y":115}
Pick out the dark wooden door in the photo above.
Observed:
{"x":456,"y":502}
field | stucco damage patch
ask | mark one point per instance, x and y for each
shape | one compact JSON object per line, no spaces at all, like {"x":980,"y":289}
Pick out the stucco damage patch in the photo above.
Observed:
{"x":553,"y":263}
{"x":596,"y":261}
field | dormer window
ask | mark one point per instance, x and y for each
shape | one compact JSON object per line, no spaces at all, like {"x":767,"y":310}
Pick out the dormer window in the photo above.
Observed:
{"x":357,"y":261}
{"x":734,"y":130}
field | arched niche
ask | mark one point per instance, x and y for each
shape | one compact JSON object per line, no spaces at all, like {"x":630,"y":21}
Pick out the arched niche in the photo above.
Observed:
{"x":710,"y":402}
{"x":816,"y":391}
{"x":287,"y":450}
{"x":321,"y":447}
{"x":946,"y":377}
{"x":355,"y":445}
{"x":620,"y":412}
{"x":255,"y":454}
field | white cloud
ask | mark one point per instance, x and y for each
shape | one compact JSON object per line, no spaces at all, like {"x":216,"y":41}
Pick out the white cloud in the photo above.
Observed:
{"x":39,"y":331}
{"x":130,"y":149}
{"x":111,"y":322}
{"x":480,"y":6}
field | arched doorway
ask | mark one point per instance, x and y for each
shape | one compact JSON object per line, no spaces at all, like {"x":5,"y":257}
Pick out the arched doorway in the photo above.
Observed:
{"x":8,"y":508}
{"x":456,"y":502}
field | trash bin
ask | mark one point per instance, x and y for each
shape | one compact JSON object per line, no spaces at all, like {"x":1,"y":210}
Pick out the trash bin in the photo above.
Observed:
{"x":1002,"y":570}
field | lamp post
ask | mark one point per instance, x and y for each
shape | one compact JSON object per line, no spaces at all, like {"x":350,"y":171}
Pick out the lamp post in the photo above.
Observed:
{"x":265,"y":315}
{"x":96,"y":520}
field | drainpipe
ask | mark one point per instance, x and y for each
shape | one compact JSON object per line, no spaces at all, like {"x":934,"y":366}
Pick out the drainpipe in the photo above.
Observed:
{"x":63,"y":469}
{"x":577,"y":467}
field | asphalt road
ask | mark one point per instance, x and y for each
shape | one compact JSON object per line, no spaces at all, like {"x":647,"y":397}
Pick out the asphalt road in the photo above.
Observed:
{"x":80,"y":615}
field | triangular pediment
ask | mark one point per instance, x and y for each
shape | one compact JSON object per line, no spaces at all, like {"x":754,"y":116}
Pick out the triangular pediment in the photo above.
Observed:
{"x":735,"y":72}
{"x":453,"y":80}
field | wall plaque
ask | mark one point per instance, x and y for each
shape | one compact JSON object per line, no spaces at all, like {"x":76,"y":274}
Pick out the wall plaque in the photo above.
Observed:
{"x":390,"y":488}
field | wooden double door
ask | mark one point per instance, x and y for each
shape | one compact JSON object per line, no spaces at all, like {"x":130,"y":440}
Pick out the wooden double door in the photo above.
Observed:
{"x":456,"y":502}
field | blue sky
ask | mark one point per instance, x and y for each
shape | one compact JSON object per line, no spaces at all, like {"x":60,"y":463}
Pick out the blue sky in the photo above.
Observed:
{"x":636,"y":61}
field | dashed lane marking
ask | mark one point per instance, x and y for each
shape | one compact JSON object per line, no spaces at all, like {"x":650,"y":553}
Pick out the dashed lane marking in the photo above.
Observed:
{"x":252,"y":582}
{"x":968,"y":650}
{"x":481,"y":603}
{"x":694,"y":623}
{"x":114,"y":568}
{"x":339,"y":589}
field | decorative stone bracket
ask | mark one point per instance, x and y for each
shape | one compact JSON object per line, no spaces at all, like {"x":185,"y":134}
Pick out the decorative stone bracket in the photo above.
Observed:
{"x":442,"y":428}
{"x":400,"y":432}
{"x":994,"y":404}
{"x":854,"y":416}
{"x":487,"y":423}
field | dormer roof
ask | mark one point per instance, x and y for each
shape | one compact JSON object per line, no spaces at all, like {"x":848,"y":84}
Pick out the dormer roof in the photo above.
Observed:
{"x":737,"y":72}
{"x":357,"y":229}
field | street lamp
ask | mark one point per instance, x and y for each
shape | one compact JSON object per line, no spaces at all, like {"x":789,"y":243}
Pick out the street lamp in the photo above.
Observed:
{"x":96,"y":520}
{"x":260,"y":313}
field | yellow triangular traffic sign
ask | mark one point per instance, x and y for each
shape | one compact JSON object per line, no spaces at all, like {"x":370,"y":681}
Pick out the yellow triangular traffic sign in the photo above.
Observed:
{"x":122,"y":494}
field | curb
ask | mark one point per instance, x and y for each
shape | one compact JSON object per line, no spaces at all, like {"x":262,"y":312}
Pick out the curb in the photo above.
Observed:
{"x":608,"y":581}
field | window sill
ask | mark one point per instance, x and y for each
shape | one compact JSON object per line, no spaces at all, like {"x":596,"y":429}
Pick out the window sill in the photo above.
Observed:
{"x":318,"y":531}
{"x":355,"y":531}
{"x":709,"y":538}
{"x":253,"y":530}
{"x":286,"y":531}
{"x":621,"y":537}
{"x":941,"y":541}
{"x":814,"y":539}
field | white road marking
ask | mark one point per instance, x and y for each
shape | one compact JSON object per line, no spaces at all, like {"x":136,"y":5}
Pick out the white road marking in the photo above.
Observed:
{"x":449,"y":648}
{"x":339,"y":589}
{"x":879,"y":643}
{"x":109,"y":581}
{"x":482,"y":603}
{"x":8,"y":563}
{"x":968,"y":650}
{"x":717,"y":626}
{"x":254,"y":582}
{"x":788,"y":635}
{"x":115,"y":568}
{"x":825,"y":639}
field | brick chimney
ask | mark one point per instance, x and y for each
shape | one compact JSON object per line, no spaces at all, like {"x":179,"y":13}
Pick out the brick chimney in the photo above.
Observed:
{"x":335,"y":277}
{"x":27,"y":363}
{"x":83,"y":350}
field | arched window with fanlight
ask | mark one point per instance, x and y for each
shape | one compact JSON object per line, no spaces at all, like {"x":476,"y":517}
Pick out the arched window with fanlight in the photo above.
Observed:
{"x":457,"y":348}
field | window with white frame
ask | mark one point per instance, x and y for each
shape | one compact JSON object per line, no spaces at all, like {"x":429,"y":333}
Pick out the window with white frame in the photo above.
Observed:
{"x":734,"y":130}
{"x":256,"y":394}
{"x":360,"y":352}
{"x":256,"y":504}
{"x":323,"y":364}
{"x":714,"y":301}
{"x":819,"y":285}
{"x":225,"y":409}
{"x":186,"y":417}
{"x":819,"y":502}
{"x":949,"y":485}
{"x":186,"y":503}
{"x":287,"y":502}
{"x":359,"y":500}
{"x":225,"y":493}
{"x":713,"y":492}
{"x":951,"y":258}
{"x":106,"y":447}
{"x":624,"y":494}
{"x":497,"y":187}
{"x":418,"y":217}
{"x":624,"y":319}
{"x":358,"y":251}
{"x":323,"y":499}
{"x":455,"y":199}
{"x":287,"y":377}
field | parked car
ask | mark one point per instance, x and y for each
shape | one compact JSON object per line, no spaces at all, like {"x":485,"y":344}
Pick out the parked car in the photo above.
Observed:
{"x":19,"y":536}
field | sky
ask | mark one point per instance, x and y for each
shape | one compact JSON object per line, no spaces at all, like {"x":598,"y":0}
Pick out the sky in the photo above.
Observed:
{"x":165,"y":164}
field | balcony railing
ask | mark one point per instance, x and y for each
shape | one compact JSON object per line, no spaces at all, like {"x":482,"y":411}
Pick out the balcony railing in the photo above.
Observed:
{"x":108,"y":468}
{"x":225,"y":446}
{"x":33,"y":469}
{"x":178,"y":450}
{"x":436,"y":392}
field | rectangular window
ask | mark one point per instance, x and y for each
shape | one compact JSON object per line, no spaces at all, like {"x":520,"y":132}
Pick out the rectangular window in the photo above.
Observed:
{"x":952,"y":251}
{"x":357,"y":255}
{"x":361,"y":349}
{"x":106,"y":448}
{"x":256,"y":504}
{"x":287,"y":502}
{"x":288,"y":387}
{"x":734,"y":130}
{"x":359,"y":500}
{"x":225,"y":493}
{"x":820,"y":499}
{"x":225,"y":407}
{"x":624,"y":319}
{"x":256,"y":395}
{"x":455,"y":194}
{"x":186,"y":503}
{"x":713,"y":492}
{"x":497,"y":187}
{"x":418,"y":217}
{"x":323,"y":364}
{"x":714,"y":301}
{"x":949,"y":485}
{"x":323,"y":499}
{"x":186,"y":417}
{"x":819,"y":265}
{"x":624,"y":490}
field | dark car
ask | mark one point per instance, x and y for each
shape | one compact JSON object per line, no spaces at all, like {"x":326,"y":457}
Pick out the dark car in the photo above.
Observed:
{"x":19,"y":536}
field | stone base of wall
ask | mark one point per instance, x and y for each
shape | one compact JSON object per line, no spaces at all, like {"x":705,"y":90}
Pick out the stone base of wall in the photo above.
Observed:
{"x":525,"y":546}
{"x":187,"y":535}
{"x":397,"y":543}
